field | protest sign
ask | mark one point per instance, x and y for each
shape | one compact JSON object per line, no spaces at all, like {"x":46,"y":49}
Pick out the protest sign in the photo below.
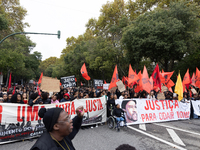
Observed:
{"x":49,"y":84}
{"x":121,"y":86}
{"x":98,"y":84}
{"x":106,"y":86}
{"x":68,"y":81}
{"x":194,"y":91}
{"x":160,"y":96}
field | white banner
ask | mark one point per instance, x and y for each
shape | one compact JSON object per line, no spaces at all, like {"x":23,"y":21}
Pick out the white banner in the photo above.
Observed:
{"x":196,"y":107}
{"x":20,"y":121}
{"x":147,"y":111}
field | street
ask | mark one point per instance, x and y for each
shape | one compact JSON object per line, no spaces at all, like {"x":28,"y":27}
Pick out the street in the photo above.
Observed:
{"x":179,"y":135}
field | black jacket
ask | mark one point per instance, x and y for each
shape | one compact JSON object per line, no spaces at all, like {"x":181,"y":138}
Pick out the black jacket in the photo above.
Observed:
{"x":30,"y":102}
{"x":46,"y":101}
{"x":45,"y":142}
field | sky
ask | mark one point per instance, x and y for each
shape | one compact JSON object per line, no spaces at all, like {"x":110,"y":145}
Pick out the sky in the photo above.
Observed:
{"x":49,"y":16}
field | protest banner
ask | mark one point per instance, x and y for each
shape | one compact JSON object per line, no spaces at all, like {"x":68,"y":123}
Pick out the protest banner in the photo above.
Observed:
{"x":147,"y":111}
{"x":49,"y":84}
{"x":21,"y":121}
{"x":196,"y":107}
{"x":98,"y":84}
{"x":68,"y":81}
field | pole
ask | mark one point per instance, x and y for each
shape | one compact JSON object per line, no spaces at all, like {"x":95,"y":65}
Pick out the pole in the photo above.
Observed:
{"x":58,"y":34}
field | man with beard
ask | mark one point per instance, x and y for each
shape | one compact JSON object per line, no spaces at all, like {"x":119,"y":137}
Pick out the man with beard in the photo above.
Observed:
{"x":131,"y":110}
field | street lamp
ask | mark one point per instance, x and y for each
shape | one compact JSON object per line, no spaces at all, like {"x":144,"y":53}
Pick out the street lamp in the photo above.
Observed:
{"x":58,"y":34}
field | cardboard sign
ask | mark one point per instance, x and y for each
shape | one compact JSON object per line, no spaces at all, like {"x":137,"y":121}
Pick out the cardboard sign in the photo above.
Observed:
{"x":68,"y":81}
{"x":160,"y":96}
{"x":164,"y":88}
{"x":121,"y":86}
{"x":98,"y":84}
{"x":49,"y":84}
{"x":194,"y":91}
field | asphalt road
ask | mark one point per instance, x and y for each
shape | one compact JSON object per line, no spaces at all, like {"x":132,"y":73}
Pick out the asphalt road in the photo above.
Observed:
{"x":159,"y":136}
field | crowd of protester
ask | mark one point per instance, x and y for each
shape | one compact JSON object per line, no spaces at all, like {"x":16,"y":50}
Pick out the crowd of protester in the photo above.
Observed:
{"x":29,"y":95}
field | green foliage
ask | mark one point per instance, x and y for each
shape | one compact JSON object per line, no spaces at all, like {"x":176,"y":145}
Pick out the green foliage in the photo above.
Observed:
{"x":3,"y":22}
{"x":46,"y":63}
{"x":162,"y":35}
{"x":15,"y":50}
{"x":32,"y":62}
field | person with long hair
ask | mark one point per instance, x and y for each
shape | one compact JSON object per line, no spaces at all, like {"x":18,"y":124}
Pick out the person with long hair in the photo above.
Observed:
{"x":17,"y":98}
{"x":24,"y":98}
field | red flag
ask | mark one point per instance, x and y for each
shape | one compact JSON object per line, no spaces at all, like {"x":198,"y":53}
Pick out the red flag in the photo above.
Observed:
{"x":9,"y":83}
{"x":132,"y":76}
{"x":60,"y":83}
{"x":197,"y":78}
{"x":13,"y":91}
{"x":145,"y":81}
{"x":125,"y":81}
{"x":156,"y":88}
{"x":166,"y":76}
{"x":186,"y":80}
{"x":40,"y":80}
{"x":84,"y":72}
{"x":105,"y":82}
{"x":170,"y":89}
{"x":75,"y":80}
{"x":156,"y":77}
{"x":38,"y":89}
{"x":139,"y":83}
{"x":115,"y":78}
{"x":169,"y":84}
{"x":193,"y":80}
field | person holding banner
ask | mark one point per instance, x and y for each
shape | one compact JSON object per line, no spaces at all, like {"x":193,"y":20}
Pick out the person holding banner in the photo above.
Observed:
{"x":60,"y":129}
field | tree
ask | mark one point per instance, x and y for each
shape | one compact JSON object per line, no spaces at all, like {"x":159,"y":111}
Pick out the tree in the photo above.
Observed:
{"x":46,"y":63}
{"x":3,"y":22}
{"x":163,"y":35}
{"x":15,"y":50}
{"x":32,"y":62}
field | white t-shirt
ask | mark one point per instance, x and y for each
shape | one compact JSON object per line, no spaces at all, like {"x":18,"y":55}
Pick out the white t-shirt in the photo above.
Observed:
{"x":151,"y":97}
{"x":118,"y":101}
